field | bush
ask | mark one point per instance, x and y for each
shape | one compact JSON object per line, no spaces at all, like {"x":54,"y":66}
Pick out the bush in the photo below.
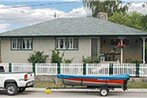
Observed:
{"x":68,"y":60}
{"x":38,"y":57}
{"x":91,"y":60}
{"x":56,"y":58}
{"x":86,"y":60}
{"x":135,"y":61}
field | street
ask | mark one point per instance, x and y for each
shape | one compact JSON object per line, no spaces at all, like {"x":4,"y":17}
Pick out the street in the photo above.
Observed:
{"x":77,"y":93}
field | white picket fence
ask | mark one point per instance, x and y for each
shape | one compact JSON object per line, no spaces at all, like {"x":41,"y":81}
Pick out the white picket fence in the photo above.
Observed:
{"x":72,"y":68}
{"x":97,"y":69}
{"x":46,"y":69}
{"x":77,"y":68}
{"x":22,"y":67}
{"x":124,"y":68}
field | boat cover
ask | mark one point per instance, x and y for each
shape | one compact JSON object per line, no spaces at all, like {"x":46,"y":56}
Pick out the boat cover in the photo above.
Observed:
{"x":109,"y":77}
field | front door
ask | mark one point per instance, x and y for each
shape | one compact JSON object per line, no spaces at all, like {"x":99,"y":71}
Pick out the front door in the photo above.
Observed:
{"x":94,"y":47}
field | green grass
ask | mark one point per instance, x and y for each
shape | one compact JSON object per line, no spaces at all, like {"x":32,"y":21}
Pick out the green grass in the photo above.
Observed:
{"x":137,"y":84}
{"x":60,"y":85}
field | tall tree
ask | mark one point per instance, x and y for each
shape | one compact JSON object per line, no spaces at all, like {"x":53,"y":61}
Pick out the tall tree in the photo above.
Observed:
{"x":107,"y":6}
{"x":144,"y":22}
{"x":135,"y":20}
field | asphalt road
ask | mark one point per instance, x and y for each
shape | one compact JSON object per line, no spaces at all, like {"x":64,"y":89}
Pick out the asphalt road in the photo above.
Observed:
{"x":74,"y":93}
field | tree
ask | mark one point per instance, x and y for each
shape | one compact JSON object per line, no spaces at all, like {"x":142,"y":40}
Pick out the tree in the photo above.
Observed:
{"x":38,"y":57}
{"x":135,"y":20}
{"x":117,"y":18}
{"x":144,"y":22}
{"x":107,"y":6}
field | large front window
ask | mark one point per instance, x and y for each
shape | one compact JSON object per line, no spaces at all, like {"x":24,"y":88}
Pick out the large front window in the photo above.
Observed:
{"x":21,"y":44}
{"x":67,"y":43}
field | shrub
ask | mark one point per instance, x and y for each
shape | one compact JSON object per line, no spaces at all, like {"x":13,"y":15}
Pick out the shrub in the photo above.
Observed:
{"x":38,"y":57}
{"x":86,"y":60}
{"x":68,"y":60}
{"x":91,"y":60}
{"x":135,"y":61}
{"x":56,"y":58}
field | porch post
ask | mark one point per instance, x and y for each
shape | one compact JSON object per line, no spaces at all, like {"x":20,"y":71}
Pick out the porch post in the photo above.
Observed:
{"x":121,"y":51}
{"x":143,"y":58}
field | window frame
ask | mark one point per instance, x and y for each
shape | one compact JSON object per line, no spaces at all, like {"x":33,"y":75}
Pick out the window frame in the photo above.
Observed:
{"x":67,"y":43}
{"x":116,"y":41}
{"x":21,"y":44}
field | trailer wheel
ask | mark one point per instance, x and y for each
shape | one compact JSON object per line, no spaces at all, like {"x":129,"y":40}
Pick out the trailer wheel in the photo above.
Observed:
{"x":104,"y":91}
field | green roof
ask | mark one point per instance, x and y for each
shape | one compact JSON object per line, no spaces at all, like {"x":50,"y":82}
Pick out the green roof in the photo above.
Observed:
{"x":86,"y":26}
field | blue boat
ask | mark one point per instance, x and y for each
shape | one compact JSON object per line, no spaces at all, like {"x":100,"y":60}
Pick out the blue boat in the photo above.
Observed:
{"x":104,"y":83}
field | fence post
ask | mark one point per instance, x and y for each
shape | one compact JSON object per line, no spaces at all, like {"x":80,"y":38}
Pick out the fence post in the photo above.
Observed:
{"x":34,"y":67}
{"x":137,"y":69}
{"x":10,"y":67}
{"x":59,"y":68}
{"x":84,"y":69}
{"x":110,"y":68}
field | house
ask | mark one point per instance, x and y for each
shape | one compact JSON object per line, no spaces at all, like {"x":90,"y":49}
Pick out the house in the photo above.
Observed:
{"x":75,"y":37}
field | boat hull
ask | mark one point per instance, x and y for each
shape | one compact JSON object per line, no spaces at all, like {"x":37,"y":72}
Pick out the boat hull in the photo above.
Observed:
{"x":118,"y":81}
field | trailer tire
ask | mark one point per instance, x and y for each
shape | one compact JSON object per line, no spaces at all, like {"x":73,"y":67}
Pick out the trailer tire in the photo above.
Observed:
{"x":104,"y":91}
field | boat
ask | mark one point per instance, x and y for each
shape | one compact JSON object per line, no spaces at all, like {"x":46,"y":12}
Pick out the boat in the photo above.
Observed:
{"x":104,"y":83}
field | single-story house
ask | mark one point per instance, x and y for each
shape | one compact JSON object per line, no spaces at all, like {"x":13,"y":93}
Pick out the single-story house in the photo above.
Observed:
{"x":75,"y":37}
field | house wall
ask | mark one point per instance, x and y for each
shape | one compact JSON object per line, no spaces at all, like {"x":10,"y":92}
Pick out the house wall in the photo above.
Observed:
{"x":131,"y":52}
{"x":84,"y":50}
{"x":46,"y":44}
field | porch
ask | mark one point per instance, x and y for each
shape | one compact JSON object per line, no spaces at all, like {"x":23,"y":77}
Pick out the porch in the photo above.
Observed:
{"x":124,"y":49}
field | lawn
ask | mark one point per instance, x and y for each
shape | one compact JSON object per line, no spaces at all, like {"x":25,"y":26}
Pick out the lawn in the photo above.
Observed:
{"x":139,"y":84}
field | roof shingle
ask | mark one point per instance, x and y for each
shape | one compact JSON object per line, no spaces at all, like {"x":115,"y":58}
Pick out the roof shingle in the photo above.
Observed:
{"x":74,"y":27}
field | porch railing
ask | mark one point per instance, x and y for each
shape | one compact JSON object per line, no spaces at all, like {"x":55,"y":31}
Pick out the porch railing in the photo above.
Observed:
{"x":135,"y":70}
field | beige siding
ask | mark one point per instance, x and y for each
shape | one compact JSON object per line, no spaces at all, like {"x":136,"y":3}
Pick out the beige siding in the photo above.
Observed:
{"x":84,"y":50}
{"x":12,"y":56}
{"x":46,"y":44}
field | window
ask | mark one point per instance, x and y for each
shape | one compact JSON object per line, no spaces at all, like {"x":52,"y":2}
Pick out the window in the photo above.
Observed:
{"x":67,"y":43}
{"x":26,"y":43}
{"x":21,"y":44}
{"x":114,"y":41}
{"x":126,"y":41}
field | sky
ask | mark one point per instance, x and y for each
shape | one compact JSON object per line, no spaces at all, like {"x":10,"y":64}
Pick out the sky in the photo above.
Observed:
{"x":20,"y":13}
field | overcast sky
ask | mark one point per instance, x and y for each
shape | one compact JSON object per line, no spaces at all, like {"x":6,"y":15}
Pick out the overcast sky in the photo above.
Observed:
{"x":34,"y":11}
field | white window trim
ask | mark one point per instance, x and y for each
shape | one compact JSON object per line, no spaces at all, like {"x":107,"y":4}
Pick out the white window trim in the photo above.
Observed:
{"x":67,"y":40}
{"x":21,"y":44}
